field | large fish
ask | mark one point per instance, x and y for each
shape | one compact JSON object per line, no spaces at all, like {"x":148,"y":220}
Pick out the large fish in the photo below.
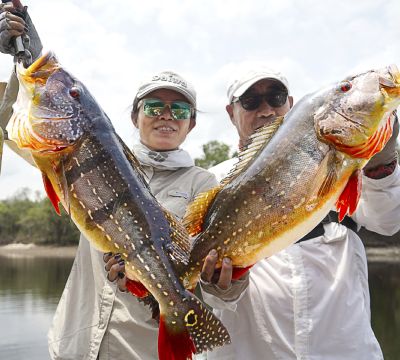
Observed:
{"x":294,"y":172}
{"x":98,"y":181}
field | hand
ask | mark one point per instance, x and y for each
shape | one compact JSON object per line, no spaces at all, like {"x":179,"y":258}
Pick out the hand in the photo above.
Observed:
{"x":388,"y":153}
{"x":221,"y":279}
{"x":12,"y":26}
{"x":115,"y":267}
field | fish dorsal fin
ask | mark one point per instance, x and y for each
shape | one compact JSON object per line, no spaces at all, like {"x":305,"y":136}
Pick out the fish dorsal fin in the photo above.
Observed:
{"x":257,"y":142}
{"x":179,"y":248}
{"x":197,"y":210}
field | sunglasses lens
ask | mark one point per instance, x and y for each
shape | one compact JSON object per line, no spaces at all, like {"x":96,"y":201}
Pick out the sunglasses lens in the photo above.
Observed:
{"x":276,"y":98}
{"x":153,"y":107}
{"x":250,"y":103}
{"x":181,"y":110}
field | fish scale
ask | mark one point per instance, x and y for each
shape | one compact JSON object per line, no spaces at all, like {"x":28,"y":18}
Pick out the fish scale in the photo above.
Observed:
{"x":99,"y":182}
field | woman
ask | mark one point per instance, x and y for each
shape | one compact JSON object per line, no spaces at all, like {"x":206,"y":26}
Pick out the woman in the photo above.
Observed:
{"x":94,"y":319}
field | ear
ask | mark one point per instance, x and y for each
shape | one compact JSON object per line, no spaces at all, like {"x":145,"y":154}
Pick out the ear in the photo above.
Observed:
{"x":134,"y":120}
{"x":191,"y":125}
{"x":290,"y":101}
{"x":229,"y":110}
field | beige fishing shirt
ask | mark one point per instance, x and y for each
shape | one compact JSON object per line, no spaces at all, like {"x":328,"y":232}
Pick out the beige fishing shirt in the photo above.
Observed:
{"x":94,"y":320}
{"x":310,"y":301}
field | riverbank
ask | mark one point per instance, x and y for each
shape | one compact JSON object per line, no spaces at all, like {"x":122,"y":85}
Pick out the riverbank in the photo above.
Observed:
{"x":374,"y":254}
{"x":32,"y":250}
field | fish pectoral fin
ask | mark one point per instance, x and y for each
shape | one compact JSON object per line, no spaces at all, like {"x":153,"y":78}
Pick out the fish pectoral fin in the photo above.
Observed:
{"x":51,"y":193}
{"x":260,"y":138}
{"x":196,"y":211}
{"x":136,"y":288}
{"x":348,"y":199}
{"x":325,"y":177}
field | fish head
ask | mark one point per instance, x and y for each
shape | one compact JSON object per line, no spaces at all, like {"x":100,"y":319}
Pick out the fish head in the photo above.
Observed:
{"x":52,"y":109}
{"x":355,"y":116}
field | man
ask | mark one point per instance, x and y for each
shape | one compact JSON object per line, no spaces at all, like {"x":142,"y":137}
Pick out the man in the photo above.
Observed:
{"x":310,"y":301}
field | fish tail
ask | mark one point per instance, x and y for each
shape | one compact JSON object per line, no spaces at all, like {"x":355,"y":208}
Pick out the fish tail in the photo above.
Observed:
{"x":194,"y":330}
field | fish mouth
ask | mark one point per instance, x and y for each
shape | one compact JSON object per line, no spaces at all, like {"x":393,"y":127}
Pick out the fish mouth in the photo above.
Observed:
{"x":39,"y":71}
{"x":389,"y":80}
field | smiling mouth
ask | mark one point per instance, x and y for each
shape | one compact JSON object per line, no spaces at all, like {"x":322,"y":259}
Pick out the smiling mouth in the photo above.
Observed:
{"x":165,"y":129}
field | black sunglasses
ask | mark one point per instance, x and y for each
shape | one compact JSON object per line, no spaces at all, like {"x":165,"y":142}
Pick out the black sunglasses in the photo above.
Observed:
{"x":274,"y":98}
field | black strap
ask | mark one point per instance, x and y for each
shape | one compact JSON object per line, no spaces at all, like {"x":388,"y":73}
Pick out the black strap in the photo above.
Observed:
{"x":331,"y":217}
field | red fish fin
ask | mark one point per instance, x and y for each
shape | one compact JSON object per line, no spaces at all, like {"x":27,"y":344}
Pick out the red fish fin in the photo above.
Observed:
{"x":197,"y":210}
{"x":237,"y":272}
{"x":348,"y":199}
{"x":136,"y":288}
{"x":51,"y":193}
{"x":174,"y":345}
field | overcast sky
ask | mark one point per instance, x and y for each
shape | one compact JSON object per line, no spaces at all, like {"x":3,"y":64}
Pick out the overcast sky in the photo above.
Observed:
{"x":111,"y":46}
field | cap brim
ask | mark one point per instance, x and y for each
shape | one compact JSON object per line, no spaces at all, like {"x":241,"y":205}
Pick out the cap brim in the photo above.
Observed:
{"x":245,"y":86}
{"x":154,"y":87}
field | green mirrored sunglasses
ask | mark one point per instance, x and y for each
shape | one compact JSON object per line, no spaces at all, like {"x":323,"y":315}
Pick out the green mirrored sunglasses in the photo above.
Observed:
{"x":180,"y":110}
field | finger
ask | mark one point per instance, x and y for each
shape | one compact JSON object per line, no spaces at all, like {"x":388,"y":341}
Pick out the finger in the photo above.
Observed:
{"x":114,"y":270}
{"x":209,"y":265}
{"x":14,"y":18}
{"x":16,"y":27}
{"x":112,"y":261}
{"x":121,"y":282}
{"x":225,"y":278}
{"x":107,"y":256}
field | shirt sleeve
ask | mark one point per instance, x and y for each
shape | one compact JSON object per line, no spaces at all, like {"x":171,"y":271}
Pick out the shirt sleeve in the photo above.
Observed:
{"x":224,"y":299}
{"x":379,"y":206}
{"x":9,"y":98}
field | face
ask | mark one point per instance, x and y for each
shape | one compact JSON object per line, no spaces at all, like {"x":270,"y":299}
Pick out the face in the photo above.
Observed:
{"x":162,"y":132}
{"x":245,"y":121}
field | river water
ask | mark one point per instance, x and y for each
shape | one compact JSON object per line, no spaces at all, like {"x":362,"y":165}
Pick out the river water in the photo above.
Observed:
{"x":30,"y":289}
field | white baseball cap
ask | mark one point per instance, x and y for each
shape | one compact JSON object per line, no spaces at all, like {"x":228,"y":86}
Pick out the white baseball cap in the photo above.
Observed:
{"x":248,"y":77}
{"x":168,"y":80}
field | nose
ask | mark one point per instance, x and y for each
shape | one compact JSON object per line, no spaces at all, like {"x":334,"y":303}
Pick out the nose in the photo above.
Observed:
{"x":166,"y":114}
{"x":265,"y":110}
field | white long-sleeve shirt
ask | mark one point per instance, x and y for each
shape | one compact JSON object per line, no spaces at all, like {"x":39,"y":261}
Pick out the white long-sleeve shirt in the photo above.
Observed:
{"x":311,"y":300}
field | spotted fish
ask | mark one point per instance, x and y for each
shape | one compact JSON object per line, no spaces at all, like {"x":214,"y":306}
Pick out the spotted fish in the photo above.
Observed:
{"x":294,"y":172}
{"x":87,"y":168}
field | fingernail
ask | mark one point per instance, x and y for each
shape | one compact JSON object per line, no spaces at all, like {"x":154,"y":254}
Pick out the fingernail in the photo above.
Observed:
{"x":227,"y":261}
{"x":121,"y":275}
{"x":117,"y":256}
{"x":121,"y":263}
{"x":213,"y":252}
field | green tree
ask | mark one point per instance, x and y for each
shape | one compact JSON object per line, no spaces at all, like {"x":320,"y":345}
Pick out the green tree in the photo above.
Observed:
{"x":23,"y":220}
{"x":214,"y":152}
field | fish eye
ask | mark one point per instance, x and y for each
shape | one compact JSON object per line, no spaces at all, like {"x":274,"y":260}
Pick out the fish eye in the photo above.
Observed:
{"x":345,"y":86}
{"x":74,"y":92}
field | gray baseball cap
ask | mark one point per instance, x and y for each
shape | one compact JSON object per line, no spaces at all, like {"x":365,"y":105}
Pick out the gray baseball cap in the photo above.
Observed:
{"x":168,"y":80}
{"x":245,"y":79}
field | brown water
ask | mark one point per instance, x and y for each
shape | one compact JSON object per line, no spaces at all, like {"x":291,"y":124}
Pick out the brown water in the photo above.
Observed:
{"x":30,"y":289}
